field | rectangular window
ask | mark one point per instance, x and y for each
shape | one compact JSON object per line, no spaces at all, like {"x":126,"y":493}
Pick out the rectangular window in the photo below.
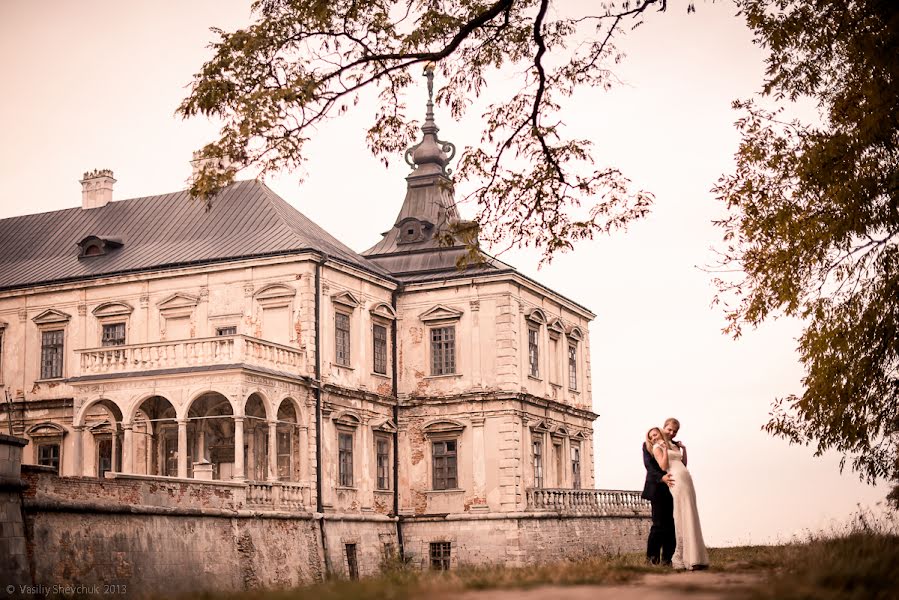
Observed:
{"x":382,"y":452}
{"x":345,"y":457}
{"x":342,"y":338}
{"x":576,"y":466}
{"x":230,"y":330}
{"x":443,"y":350}
{"x":352,"y":566}
{"x":560,"y":472}
{"x":113,"y":334}
{"x":572,"y":366}
{"x":444,"y":465}
{"x":51,"y":353}
{"x":48,"y":456}
{"x":538,"y":463}
{"x":440,"y":555}
{"x":284,"y":454}
{"x":379,"y":341}
{"x":533,"y":353}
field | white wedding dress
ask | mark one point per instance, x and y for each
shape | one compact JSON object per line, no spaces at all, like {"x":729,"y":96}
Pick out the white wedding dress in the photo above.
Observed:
{"x":690,"y":550}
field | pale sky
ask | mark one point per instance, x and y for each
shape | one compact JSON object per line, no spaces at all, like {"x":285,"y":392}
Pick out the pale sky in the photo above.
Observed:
{"x":95,"y":83}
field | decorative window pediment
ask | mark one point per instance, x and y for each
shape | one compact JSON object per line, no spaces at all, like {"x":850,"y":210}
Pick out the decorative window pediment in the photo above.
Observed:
{"x":52,"y":317}
{"x":347,"y":419}
{"x":540,"y":427}
{"x":443,"y":426}
{"x":275,"y":294}
{"x":536,"y":315}
{"x":94,"y":245}
{"x":346,"y":299}
{"x":383,"y":310}
{"x":386,"y":426}
{"x":580,"y":435}
{"x":45,"y":430}
{"x":179,"y":301}
{"x":576,"y":333}
{"x":556,"y":327}
{"x":102,"y":428}
{"x":441,"y":313}
{"x":113,"y":309}
{"x":561,"y":432}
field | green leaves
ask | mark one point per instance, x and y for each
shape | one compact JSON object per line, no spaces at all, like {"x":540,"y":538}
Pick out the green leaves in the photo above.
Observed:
{"x":813,"y":224}
{"x":302,"y":62}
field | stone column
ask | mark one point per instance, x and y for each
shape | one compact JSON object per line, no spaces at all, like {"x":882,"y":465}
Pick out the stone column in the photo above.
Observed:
{"x":182,"y":448}
{"x":115,"y":448}
{"x":364,"y":479}
{"x":475,"y":333}
{"x":479,"y":456}
{"x":128,"y":449}
{"x":238,"y":449}
{"x":303,"y":452}
{"x":78,"y":447}
{"x":272,"y":451}
{"x":148,"y":450}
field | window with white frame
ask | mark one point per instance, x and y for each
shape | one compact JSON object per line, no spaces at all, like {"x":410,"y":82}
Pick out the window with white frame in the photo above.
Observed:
{"x":345,"y":458}
{"x":443,"y":350}
{"x":379,"y":349}
{"x":382,"y":462}
{"x":572,"y":365}
{"x":48,"y":455}
{"x":342,"y":339}
{"x":533,"y":352}
{"x":113,"y":334}
{"x":443,"y":463}
{"x":52,"y":350}
{"x":537,"y":445}
{"x":575,"y":465}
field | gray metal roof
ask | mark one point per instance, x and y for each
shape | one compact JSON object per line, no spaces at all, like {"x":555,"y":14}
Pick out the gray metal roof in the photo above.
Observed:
{"x":247,"y":219}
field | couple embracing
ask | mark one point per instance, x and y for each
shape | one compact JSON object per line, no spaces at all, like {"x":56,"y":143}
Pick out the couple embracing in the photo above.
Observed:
{"x":675,"y":532}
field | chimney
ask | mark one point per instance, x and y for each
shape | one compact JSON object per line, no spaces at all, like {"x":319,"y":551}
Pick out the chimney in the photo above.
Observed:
{"x":216,"y":165}
{"x":96,"y":188}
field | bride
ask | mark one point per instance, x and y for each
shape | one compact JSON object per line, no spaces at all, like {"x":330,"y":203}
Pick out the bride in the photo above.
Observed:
{"x":690,"y":552}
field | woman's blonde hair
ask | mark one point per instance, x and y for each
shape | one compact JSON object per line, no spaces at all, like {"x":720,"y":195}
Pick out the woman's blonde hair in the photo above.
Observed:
{"x":649,"y":441}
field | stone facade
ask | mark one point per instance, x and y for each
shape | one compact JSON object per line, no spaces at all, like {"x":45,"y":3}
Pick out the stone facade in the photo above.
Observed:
{"x":386,"y":402}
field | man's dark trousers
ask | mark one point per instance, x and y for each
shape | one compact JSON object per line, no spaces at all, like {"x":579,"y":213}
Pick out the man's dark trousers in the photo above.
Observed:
{"x":661,"y":535}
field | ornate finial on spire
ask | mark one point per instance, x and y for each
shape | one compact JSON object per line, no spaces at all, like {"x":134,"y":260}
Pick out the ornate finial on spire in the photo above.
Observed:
{"x":430,"y":152}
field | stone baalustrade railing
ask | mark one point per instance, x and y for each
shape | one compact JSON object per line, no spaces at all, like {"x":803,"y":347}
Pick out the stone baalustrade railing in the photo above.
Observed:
{"x":277,"y":495}
{"x":198,"y":352}
{"x":597,"y":502}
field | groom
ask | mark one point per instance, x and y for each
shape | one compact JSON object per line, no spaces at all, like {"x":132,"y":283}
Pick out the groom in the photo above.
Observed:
{"x":661,"y":534}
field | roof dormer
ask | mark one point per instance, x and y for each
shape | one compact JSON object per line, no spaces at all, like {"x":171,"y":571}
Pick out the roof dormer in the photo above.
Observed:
{"x":95,"y":245}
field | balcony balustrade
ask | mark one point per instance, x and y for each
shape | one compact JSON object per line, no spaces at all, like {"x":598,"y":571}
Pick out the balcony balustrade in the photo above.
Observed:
{"x":277,"y":495}
{"x":594,"y":502}
{"x":197,"y":352}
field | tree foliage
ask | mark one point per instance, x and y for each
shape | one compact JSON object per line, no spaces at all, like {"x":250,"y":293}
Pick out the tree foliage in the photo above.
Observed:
{"x":304,"y":61}
{"x":813,"y":220}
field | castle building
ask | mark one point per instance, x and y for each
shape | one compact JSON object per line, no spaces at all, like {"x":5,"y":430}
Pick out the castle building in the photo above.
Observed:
{"x":402,"y":403}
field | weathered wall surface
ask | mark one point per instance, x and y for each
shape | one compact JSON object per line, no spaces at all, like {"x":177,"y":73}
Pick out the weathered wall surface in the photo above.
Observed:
{"x":374,"y":539}
{"x":524,"y":539}
{"x":13,"y":557}
{"x":162,"y":536}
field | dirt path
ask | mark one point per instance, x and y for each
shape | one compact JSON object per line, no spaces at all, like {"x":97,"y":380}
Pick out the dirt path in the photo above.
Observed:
{"x":703,"y":585}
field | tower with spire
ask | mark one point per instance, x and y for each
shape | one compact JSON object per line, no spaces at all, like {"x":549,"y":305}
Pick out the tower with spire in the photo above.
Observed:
{"x":422,"y":244}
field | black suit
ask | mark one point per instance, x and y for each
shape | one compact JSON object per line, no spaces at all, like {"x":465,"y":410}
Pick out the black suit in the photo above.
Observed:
{"x":661,"y":534}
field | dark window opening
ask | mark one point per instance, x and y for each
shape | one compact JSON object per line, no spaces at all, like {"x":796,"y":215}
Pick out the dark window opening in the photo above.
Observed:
{"x":440,"y":555}
{"x":113,"y":335}
{"x":342,"y":338}
{"x":352,"y":565}
{"x":383,"y":462}
{"x":444,"y":465}
{"x":379,"y":341}
{"x":48,"y":456}
{"x":51,"y":354}
{"x":345,"y":459}
{"x":443,"y":350}
{"x":230,"y":330}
